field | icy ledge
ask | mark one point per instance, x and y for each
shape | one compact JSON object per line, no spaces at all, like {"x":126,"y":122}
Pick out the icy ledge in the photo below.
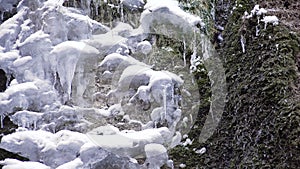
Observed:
{"x":67,"y":148}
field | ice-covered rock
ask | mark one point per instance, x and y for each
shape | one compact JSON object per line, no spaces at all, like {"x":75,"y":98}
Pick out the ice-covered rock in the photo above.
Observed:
{"x":156,"y":156}
{"x":26,"y":119}
{"x":37,"y":95}
{"x":130,"y":143}
{"x":113,"y":65}
{"x":165,"y":17}
{"x":66,"y":118}
{"x":145,"y":47}
{"x":95,"y":157}
{"x":16,"y":164}
{"x":74,"y":164}
{"x":10,"y":30}
{"x":52,"y":149}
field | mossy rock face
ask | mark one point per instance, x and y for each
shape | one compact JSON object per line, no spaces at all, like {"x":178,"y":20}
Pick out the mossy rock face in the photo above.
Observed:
{"x":260,"y":126}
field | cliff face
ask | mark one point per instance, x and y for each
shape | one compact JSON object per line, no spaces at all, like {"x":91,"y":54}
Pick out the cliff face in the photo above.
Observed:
{"x":260,"y":123}
{"x":259,"y":127}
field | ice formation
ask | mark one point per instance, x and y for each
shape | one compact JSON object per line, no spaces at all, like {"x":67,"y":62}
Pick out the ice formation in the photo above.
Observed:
{"x":51,"y":55}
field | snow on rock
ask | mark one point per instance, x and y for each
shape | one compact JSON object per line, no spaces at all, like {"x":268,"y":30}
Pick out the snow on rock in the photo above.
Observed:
{"x":37,"y":96}
{"x":130,"y":143}
{"x":16,"y":164}
{"x":10,"y":30}
{"x":21,"y":61}
{"x":74,"y":164}
{"x":66,"y":118}
{"x":52,"y":149}
{"x":7,"y":59}
{"x":38,"y":46}
{"x":113,"y":65}
{"x":270,"y":19}
{"x":101,"y":158}
{"x":158,"y":15}
{"x":105,"y":130}
{"x":156,"y":155}
{"x":145,"y":47}
{"x":122,"y":29}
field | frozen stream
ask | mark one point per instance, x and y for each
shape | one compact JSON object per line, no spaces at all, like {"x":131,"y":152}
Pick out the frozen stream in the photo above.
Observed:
{"x":88,"y":96}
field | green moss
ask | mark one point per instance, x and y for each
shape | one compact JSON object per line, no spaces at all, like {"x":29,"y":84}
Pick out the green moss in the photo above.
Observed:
{"x":260,"y":124}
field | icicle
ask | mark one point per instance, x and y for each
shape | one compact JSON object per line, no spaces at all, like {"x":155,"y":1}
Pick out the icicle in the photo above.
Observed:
{"x":194,"y":55}
{"x":1,"y":120}
{"x":257,"y":30}
{"x":184,"y":53}
{"x":23,"y":122}
{"x":9,"y":78}
{"x":97,"y":4}
{"x":122,"y":12}
{"x":243,"y":43}
{"x":165,"y":102}
{"x":1,"y":16}
{"x":155,"y":124}
{"x":34,"y":124}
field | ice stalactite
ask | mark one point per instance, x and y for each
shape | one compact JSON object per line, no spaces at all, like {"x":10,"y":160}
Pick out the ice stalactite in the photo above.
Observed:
{"x":184,"y":52}
{"x":243,"y":43}
{"x":257,"y":30}
{"x":122,"y":11}
{"x":1,"y":120}
{"x":165,"y":102}
{"x":206,"y":47}
{"x":194,"y":58}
